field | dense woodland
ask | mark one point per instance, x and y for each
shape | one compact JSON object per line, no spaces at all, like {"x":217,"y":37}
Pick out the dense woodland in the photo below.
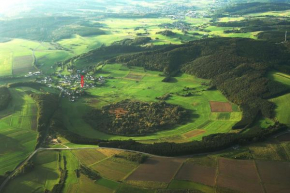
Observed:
{"x":136,"y":118}
{"x":237,"y":67}
{"x":47,"y":104}
{"x":5,"y":97}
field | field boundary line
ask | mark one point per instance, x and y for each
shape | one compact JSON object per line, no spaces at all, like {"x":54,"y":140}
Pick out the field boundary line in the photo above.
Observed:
{"x":261,"y":182}
{"x":216,"y":175}
{"x":99,"y":161}
{"x":125,"y":177}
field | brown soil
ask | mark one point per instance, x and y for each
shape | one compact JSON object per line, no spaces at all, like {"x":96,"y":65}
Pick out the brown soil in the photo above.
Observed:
{"x":240,"y":175}
{"x":194,"y":133}
{"x":157,"y":169}
{"x":220,"y":106}
{"x":119,"y":112}
{"x":135,"y":76}
{"x":197,"y":173}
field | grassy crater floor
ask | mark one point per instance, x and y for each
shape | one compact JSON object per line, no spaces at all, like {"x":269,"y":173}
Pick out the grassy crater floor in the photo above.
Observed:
{"x":145,"y":87}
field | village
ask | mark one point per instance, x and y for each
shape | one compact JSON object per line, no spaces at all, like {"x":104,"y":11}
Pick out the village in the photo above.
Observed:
{"x":70,"y":85}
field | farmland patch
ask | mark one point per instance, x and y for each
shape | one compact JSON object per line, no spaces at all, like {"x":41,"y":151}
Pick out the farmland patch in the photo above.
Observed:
{"x":157,"y":169}
{"x":23,"y":64}
{"x":135,"y":76}
{"x":194,"y":133}
{"x":197,"y":173}
{"x":220,"y":106}
{"x":240,"y":175}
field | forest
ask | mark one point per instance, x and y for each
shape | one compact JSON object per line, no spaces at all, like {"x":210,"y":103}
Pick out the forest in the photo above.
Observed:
{"x":136,"y":118}
{"x":237,"y":67}
{"x":47,"y":104}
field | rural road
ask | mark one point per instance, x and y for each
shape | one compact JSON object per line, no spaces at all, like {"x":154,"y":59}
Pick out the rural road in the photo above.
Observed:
{"x":79,"y":148}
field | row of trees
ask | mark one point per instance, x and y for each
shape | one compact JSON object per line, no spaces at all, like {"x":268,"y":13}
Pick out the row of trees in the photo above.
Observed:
{"x":137,"y":118}
{"x":208,"y":143}
{"x":47,"y":104}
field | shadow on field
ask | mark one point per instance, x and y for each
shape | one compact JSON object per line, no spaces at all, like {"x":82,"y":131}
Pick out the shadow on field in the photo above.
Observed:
{"x":8,"y":144}
{"x":17,"y":100}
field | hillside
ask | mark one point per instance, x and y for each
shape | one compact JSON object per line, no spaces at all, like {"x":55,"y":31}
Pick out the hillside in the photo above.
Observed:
{"x":237,"y":67}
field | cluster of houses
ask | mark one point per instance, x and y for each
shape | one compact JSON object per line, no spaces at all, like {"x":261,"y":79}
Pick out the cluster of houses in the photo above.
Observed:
{"x":33,"y":74}
{"x":70,"y":85}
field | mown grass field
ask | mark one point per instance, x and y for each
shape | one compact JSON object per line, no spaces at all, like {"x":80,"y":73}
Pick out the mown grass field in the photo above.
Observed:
{"x":282,"y":109}
{"x":147,"y":89}
{"x":17,"y":130}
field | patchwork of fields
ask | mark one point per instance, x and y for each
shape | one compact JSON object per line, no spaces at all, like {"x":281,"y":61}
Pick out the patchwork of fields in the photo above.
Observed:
{"x":207,"y":173}
{"x":17,"y":130}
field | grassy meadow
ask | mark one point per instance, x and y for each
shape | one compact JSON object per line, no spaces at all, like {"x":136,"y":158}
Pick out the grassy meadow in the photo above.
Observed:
{"x":147,"y":88}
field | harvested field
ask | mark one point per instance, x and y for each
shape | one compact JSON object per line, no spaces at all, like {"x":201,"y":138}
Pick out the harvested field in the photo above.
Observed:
{"x":194,"y":133}
{"x":285,"y":137}
{"x":135,"y":76}
{"x":23,"y":64}
{"x":115,"y":168}
{"x":109,"y":152}
{"x":220,"y":106}
{"x":239,"y":185}
{"x":157,"y":169}
{"x":89,"y":156}
{"x":240,"y":175}
{"x":280,"y":188}
{"x":197,"y":173}
{"x":274,"y":172}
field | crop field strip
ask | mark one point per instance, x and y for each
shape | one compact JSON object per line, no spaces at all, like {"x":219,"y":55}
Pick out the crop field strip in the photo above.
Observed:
{"x":17,"y":128}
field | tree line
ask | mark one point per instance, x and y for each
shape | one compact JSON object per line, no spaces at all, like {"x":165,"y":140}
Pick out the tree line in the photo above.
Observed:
{"x":208,"y":143}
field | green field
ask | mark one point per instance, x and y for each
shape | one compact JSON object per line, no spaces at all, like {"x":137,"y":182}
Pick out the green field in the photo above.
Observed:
{"x":44,"y":175}
{"x":280,"y":77}
{"x":282,"y":110}
{"x":17,"y":130}
{"x":146,"y":89}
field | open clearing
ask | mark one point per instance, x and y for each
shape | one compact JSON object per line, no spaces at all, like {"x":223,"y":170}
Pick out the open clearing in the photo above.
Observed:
{"x":282,"y":109}
{"x":157,"y":170}
{"x":220,"y":106}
